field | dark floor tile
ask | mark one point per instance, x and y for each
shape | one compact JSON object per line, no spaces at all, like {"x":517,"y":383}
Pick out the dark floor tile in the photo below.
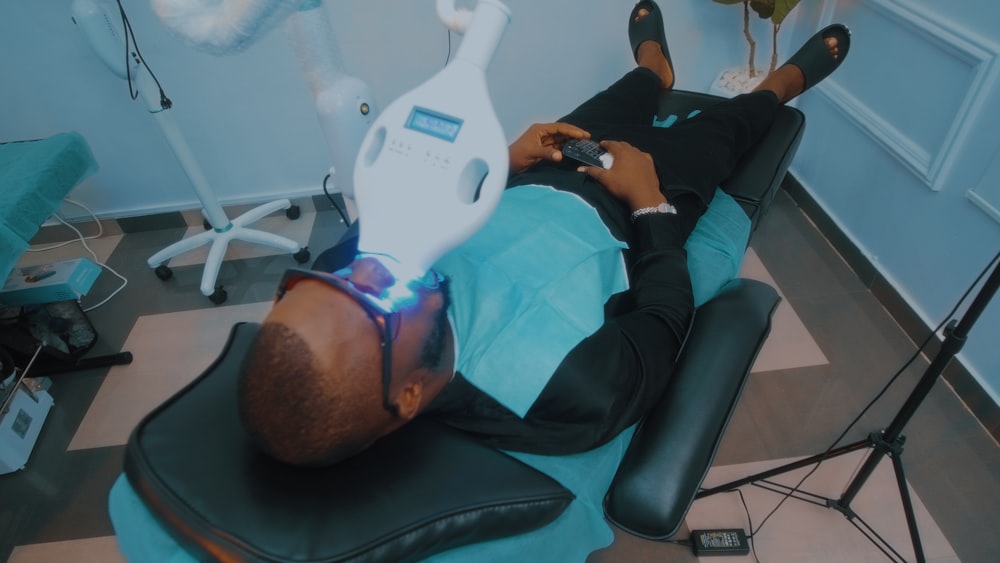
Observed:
{"x":59,"y":495}
{"x":901,"y":312}
{"x":80,"y":509}
{"x":14,"y":520}
{"x":87,"y":228}
{"x":825,"y":226}
{"x":155,"y":222}
{"x":796,"y":255}
{"x":975,"y":398}
{"x":743,"y":439}
{"x":956,"y":480}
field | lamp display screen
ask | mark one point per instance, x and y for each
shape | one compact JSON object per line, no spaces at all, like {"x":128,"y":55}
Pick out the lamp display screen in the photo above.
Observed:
{"x":434,"y":124}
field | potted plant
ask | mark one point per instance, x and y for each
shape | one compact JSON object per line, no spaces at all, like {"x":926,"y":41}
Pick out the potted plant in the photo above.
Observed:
{"x":737,"y":81}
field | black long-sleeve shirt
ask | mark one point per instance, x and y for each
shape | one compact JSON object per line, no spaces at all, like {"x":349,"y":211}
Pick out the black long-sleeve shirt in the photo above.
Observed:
{"x":612,"y":378}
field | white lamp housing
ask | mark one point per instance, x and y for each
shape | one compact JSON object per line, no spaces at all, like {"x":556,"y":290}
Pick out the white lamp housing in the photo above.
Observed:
{"x":432,"y":167}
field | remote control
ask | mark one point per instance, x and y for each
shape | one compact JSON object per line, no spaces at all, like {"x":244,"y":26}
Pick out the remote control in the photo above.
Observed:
{"x":588,"y":152}
{"x":720,"y":542}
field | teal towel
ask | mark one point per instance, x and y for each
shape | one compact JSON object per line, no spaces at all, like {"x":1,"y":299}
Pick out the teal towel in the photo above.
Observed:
{"x":527,"y":288}
{"x":716,"y":247}
{"x":12,"y":246}
{"x":35,"y":176}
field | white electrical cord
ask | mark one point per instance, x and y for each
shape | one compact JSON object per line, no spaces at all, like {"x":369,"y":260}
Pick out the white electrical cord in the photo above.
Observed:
{"x":100,"y":229}
{"x":83,"y":240}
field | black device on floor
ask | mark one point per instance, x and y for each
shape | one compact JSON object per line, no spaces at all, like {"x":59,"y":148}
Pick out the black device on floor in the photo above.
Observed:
{"x":588,"y":152}
{"x":720,"y":542}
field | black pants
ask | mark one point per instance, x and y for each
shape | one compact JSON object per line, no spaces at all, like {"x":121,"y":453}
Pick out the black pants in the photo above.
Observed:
{"x":692,"y":157}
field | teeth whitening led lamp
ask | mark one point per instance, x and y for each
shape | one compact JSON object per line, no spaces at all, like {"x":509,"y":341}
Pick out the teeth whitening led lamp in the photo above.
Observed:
{"x":432,"y":167}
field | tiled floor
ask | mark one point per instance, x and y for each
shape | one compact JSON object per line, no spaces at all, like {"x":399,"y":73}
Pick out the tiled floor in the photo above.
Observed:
{"x":832,"y":348}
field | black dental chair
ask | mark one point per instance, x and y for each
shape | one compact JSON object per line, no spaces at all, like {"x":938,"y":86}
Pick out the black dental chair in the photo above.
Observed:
{"x":428,"y":488}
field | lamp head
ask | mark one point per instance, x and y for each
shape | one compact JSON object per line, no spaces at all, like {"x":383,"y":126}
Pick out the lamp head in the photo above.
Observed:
{"x":432,"y":167}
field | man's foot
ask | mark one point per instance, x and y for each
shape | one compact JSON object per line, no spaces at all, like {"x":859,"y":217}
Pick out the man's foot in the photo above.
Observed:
{"x":649,"y":43}
{"x":813,"y":62}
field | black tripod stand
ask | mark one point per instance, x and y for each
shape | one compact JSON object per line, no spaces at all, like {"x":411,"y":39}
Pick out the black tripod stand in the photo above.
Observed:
{"x":888,"y":442}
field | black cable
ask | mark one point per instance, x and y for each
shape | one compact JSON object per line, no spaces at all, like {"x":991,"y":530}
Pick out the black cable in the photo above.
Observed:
{"x":447,"y":58}
{"x":334,"y":203}
{"x":753,"y":545}
{"x":885,"y":388}
{"x":165,"y":102}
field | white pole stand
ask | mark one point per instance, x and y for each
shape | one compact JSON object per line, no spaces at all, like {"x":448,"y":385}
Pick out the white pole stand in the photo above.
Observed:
{"x":223,"y":230}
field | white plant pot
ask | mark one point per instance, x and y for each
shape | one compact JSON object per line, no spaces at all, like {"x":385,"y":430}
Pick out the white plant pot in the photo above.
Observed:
{"x":734,"y":81}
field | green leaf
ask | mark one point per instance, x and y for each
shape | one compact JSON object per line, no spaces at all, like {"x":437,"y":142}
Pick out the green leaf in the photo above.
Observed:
{"x":728,"y":1}
{"x":781,"y":10}
{"x":764,"y":8}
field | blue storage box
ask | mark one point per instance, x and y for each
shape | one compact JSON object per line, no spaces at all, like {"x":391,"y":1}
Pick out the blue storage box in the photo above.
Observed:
{"x":67,"y":280}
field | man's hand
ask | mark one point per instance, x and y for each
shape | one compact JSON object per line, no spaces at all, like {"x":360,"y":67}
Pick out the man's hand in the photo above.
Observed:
{"x":632,"y":178}
{"x":542,"y":141}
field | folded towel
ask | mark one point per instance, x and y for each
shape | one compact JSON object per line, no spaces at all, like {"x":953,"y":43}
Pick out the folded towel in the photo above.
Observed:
{"x":35,"y":177}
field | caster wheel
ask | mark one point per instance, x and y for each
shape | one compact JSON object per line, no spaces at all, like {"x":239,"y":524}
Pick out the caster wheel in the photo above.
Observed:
{"x":164,"y":272}
{"x":301,"y":256}
{"x":206,"y":224}
{"x":293,"y":212}
{"x":219,"y":296}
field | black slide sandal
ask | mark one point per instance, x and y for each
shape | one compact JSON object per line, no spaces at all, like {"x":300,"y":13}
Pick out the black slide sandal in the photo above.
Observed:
{"x":649,"y":28}
{"x":814,"y":59}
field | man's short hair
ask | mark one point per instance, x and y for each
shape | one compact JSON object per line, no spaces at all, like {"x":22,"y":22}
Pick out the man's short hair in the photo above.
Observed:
{"x":291,"y":410}
{"x":432,"y":352}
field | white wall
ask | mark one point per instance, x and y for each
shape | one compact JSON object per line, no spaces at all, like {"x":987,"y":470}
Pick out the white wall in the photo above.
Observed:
{"x":911,"y":111}
{"x":249,"y":118}
{"x":899,"y":137}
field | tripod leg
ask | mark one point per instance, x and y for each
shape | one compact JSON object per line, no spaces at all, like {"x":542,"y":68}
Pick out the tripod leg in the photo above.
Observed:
{"x":785,"y":468}
{"x":911,"y":519}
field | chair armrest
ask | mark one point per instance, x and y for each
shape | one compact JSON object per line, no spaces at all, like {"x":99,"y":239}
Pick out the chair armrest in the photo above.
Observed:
{"x":673,"y":448}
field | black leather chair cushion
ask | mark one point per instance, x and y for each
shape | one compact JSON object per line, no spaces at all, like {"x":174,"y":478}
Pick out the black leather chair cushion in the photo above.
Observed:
{"x":673,"y":447}
{"x":425,"y":489}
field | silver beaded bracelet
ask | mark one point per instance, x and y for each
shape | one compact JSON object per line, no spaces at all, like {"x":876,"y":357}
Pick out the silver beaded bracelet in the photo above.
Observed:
{"x":663,"y":208}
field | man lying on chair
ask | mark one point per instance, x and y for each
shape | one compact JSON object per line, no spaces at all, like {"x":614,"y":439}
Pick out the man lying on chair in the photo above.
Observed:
{"x":550,"y":339}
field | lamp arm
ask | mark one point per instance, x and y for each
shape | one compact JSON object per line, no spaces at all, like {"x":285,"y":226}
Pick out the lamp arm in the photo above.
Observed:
{"x":455,"y":19}
{"x":224,"y":27}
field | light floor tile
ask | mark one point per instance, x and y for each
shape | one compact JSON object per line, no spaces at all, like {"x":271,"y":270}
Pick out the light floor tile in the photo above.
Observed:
{"x":801,"y":531}
{"x":297,"y":230}
{"x":90,"y":550}
{"x":170,"y":350}
{"x":789,"y":345}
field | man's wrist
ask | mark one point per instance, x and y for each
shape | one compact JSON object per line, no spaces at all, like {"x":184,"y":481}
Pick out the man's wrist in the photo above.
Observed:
{"x":663,"y":208}
{"x":647,"y":200}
